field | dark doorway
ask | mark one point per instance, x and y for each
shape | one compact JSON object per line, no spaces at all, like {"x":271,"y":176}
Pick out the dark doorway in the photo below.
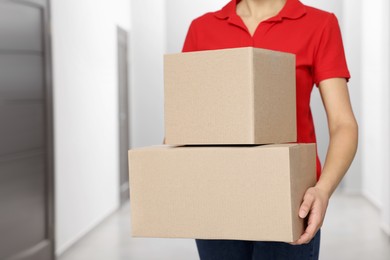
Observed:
{"x":123,"y":84}
{"x":26,"y":133}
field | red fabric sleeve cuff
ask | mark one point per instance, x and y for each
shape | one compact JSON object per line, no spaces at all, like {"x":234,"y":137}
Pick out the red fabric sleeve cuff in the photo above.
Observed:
{"x":332,"y":74}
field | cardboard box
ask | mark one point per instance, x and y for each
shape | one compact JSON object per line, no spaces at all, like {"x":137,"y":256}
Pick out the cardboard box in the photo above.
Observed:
{"x":231,"y":96}
{"x":245,"y":193}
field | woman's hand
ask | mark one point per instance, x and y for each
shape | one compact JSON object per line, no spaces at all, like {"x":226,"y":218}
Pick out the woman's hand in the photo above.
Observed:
{"x":315,"y":203}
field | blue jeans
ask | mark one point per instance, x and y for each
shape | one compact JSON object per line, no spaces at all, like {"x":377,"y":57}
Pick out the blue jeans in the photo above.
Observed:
{"x":253,"y":250}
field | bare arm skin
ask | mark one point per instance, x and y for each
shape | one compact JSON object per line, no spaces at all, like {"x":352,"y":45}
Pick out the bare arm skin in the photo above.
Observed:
{"x":343,"y":132}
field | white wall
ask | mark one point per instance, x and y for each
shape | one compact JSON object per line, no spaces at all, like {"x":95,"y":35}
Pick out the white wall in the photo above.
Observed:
{"x":179,"y":16}
{"x":85,"y":112}
{"x":352,"y":34}
{"x":148,"y":46}
{"x":334,"y":6}
{"x":385,"y":23}
{"x":375,"y":99}
{"x":121,"y":13}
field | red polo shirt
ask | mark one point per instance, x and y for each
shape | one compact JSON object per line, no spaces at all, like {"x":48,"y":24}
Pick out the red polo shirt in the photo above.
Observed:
{"x":311,"y":34}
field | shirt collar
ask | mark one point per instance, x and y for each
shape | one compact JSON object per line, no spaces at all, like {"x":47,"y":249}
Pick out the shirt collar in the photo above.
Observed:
{"x":293,"y":9}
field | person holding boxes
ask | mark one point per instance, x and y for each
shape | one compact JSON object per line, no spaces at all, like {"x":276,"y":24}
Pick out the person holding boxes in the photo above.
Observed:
{"x":314,"y":37}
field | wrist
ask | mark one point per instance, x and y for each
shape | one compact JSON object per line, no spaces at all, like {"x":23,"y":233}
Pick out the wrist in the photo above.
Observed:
{"x":324,"y":189}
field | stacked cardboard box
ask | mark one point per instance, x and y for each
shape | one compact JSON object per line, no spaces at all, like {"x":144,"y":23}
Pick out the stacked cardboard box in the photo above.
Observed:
{"x":226,"y":183}
{"x":234,"y":96}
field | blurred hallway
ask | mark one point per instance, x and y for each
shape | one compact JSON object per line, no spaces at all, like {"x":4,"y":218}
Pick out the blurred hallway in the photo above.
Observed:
{"x":81,"y":82}
{"x":341,"y":239}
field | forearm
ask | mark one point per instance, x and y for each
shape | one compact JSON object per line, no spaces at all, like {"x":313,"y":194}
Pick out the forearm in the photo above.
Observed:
{"x":341,"y":151}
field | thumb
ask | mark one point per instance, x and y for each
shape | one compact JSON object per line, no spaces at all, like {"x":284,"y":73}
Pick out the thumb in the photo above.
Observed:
{"x":306,"y":205}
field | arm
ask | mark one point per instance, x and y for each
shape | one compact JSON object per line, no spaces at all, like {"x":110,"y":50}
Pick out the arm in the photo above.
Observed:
{"x":343,"y":131}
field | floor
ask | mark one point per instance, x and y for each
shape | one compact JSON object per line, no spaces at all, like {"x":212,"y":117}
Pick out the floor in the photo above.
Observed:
{"x":350,"y":232}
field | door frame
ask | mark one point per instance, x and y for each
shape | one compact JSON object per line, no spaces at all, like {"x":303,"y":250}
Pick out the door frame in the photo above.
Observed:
{"x":36,"y":251}
{"x":123,"y":101}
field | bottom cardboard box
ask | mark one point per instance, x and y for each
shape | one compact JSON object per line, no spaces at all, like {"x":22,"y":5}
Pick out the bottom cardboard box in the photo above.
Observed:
{"x":223,"y":192}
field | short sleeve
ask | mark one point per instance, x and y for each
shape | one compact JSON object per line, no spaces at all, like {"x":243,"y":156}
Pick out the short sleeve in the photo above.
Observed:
{"x":329,"y":59}
{"x":190,"y":40}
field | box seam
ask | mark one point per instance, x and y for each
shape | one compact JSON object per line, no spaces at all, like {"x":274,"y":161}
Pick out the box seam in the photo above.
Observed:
{"x":295,"y":97}
{"x":290,"y":149}
{"x":252,"y":77}
{"x":165,"y":58}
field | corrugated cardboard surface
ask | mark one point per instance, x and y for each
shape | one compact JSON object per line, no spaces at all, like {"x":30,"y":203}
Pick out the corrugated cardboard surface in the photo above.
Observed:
{"x":230,"y":96}
{"x":208,"y":97}
{"x":237,"y":192}
{"x":274,"y":97}
{"x":303,"y":164}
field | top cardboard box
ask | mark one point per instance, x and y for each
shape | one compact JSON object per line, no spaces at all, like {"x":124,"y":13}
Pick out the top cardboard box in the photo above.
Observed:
{"x":231,"y":96}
